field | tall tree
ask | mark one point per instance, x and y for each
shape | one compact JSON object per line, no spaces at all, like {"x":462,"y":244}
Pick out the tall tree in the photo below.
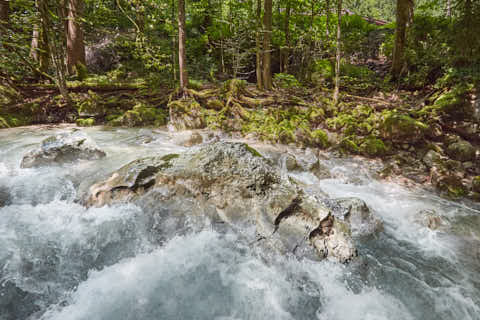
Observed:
{"x":267,"y":36}
{"x":182,"y":55}
{"x":404,"y":15}
{"x":286,"y":50}
{"x":4,"y":14}
{"x":75,"y":43}
{"x":336,"y":91}
{"x":258,"y":40}
{"x":39,"y":50}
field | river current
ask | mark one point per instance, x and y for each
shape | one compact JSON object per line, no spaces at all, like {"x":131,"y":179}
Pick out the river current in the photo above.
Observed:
{"x":59,"y":260}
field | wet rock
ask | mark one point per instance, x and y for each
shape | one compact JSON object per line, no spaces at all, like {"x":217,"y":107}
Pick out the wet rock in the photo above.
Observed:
{"x":356,"y":213}
{"x":63,"y":148}
{"x":4,"y":197}
{"x":233,"y":184}
{"x":429,"y":219}
{"x":187,"y":138}
{"x":290,"y":162}
{"x":462,"y":151}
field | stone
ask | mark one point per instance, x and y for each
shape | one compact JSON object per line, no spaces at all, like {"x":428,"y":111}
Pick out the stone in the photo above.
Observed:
{"x":429,"y":219}
{"x":476,"y":184}
{"x":431,"y":158}
{"x":356,"y":213}
{"x":187,"y":138}
{"x":231,"y":184}
{"x":63,"y":148}
{"x":462,"y":151}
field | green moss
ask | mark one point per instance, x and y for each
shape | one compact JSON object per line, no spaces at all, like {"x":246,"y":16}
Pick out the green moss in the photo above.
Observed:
{"x":254,"y":152}
{"x":3,"y":123}
{"x":348,"y":145}
{"x":401,"y":127}
{"x":320,"y":138}
{"x":476,"y":184}
{"x":373,"y":147}
{"x":455,"y":102}
{"x":85,"y":122}
{"x":170,"y":157}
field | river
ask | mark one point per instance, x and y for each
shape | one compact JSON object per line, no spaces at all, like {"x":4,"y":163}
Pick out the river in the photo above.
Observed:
{"x":59,"y":260}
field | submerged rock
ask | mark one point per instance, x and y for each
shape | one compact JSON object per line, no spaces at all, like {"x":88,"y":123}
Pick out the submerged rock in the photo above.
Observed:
{"x":232,"y":184}
{"x":63,"y":148}
{"x":356,"y":213}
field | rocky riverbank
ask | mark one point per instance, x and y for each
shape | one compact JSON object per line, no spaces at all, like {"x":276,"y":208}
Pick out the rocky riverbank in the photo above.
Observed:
{"x":432,"y":139}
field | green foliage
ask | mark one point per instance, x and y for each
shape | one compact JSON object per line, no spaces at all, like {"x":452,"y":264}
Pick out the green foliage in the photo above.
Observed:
{"x":284,"y":80}
{"x":85,"y":122}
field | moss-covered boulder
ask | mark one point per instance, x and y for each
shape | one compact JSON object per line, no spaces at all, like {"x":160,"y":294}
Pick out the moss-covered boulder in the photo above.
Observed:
{"x":399,"y":127}
{"x":85,"y":122}
{"x":373,"y":147}
{"x":140,"y":115}
{"x":461,"y":150}
{"x":476,"y":184}
{"x":454,"y":102}
{"x":186,"y":114}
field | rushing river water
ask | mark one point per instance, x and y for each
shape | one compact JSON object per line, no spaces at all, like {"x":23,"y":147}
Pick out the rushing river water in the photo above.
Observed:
{"x":59,"y":260}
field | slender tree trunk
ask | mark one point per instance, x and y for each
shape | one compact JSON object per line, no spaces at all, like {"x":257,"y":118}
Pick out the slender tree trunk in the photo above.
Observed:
{"x":174,"y":46}
{"x":140,"y":16}
{"x":336,"y":92}
{"x":267,"y":54}
{"x":182,"y":57}
{"x":449,"y":8}
{"x":286,"y":50}
{"x":4,"y":15}
{"x":258,"y":40}
{"x":39,"y":50}
{"x":404,"y":11}
{"x":327,"y":17}
{"x":75,"y":43}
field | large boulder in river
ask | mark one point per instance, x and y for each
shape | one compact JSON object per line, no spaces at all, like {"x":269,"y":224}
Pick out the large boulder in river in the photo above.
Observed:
{"x":232,"y":184}
{"x":461,"y":150}
{"x":63,"y":148}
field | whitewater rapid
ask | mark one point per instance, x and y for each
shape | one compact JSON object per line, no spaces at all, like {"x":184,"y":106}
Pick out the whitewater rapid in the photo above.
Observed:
{"x":60,"y":260}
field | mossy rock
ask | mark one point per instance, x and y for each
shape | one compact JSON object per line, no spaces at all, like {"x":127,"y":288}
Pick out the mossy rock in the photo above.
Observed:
{"x":454,"y":102}
{"x":85,"y":122}
{"x":186,"y":114}
{"x":373,"y":147}
{"x":141,"y":115}
{"x":3,"y":123}
{"x":462,"y":151}
{"x":348,"y":145}
{"x":399,"y":127}
{"x":476,"y":184}
{"x":320,"y":138}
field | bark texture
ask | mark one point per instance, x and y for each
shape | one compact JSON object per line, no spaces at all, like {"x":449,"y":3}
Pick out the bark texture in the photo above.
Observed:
{"x":75,"y":43}
{"x":258,"y":40}
{"x":267,"y":54}
{"x":338,"y":54}
{"x":404,"y":12}
{"x":182,"y":56}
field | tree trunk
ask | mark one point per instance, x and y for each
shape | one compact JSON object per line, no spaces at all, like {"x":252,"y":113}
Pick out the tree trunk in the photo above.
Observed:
{"x":327,"y":10}
{"x":182,"y":57}
{"x":258,"y":40}
{"x":4,"y":15}
{"x":404,"y":11}
{"x":39,"y":50}
{"x":449,"y":8}
{"x":75,"y":44}
{"x":174,"y":46}
{"x":267,"y":54}
{"x":336,"y":92}
{"x":286,"y":50}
